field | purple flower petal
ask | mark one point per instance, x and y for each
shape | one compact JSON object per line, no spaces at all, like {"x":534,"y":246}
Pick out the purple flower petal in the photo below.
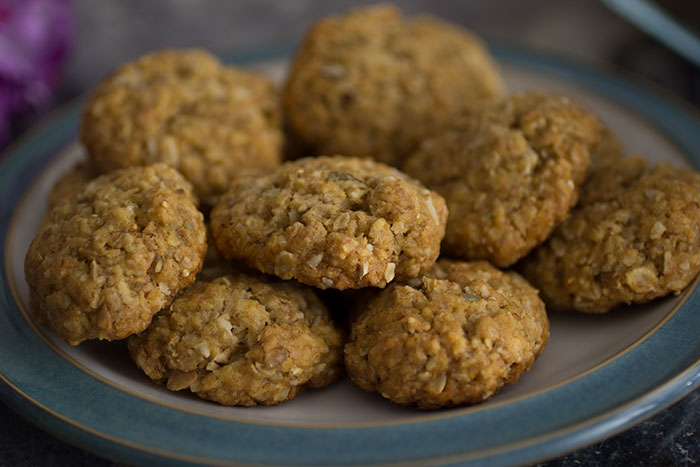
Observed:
{"x":34,"y":43}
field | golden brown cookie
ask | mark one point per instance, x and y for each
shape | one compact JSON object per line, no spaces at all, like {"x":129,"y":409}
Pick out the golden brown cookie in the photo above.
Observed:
{"x":332,"y":222}
{"x":509,"y":173}
{"x":633,"y":237}
{"x":242,"y":340}
{"x":184,"y":108}
{"x":373,"y":83}
{"x":455,"y":336}
{"x":108,"y":258}
{"x":71,"y":182}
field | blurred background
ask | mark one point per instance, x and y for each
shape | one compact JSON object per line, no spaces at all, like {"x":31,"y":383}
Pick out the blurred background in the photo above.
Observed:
{"x":52,"y":51}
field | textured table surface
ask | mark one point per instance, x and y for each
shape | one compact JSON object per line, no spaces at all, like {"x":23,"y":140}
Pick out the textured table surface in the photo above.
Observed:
{"x":576,"y":29}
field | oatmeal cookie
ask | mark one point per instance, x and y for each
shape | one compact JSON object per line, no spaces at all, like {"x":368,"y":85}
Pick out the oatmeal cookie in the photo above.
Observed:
{"x":107,"y":259}
{"x":332,"y":222}
{"x":454,"y":336}
{"x":373,"y":83}
{"x":509,"y":173}
{"x":184,"y":108}
{"x":242,"y":340}
{"x":633,"y":237}
{"x":71,"y":182}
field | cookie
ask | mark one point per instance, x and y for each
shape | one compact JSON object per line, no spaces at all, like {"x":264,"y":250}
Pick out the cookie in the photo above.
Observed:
{"x":509,"y":173}
{"x":242,"y":340}
{"x":184,"y":108}
{"x":110,"y":257}
{"x":454,"y":336}
{"x":71,"y":182}
{"x":331,"y":222}
{"x":373,"y":83}
{"x":633,"y":237}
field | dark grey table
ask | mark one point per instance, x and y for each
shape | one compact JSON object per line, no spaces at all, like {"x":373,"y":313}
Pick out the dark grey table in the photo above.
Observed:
{"x":109,"y":33}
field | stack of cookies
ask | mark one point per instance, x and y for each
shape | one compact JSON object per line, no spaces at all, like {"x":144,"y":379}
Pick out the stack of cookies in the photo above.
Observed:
{"x":419,"y":181}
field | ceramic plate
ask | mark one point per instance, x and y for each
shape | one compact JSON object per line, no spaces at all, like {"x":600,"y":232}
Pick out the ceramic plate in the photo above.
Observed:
{"x":598,"y":374}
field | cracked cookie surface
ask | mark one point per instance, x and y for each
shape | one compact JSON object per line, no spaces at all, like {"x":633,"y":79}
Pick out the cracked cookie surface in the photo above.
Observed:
{"x":454,"y":336}
{"x":184,"y":108}
{"x":332,"y":222}
{"x":373,"y":83}
{"x":633,"y":237}
{"x":106,"y":259}
{"x":509,"y":173}
{"x":242,"y":339}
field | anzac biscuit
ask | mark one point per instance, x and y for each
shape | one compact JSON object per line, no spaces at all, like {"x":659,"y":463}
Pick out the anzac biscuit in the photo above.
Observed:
{"x":509,"y":173}
{"x":108,"y":258}
{"x":373,"y":83}
{"x":454,"y":336}
{"x":242,"y":340}
{"x":184,"y":108}
{"x":633,"y":237}
{"x":331,"y":222}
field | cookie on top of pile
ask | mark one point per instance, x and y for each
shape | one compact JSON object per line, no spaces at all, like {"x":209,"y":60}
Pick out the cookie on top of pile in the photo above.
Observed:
{"x":421,"y":178}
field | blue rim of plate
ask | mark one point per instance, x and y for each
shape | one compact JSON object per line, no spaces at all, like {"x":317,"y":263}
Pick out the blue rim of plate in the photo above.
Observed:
{"x":59,"y":397}
{"x":655,"y":21}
